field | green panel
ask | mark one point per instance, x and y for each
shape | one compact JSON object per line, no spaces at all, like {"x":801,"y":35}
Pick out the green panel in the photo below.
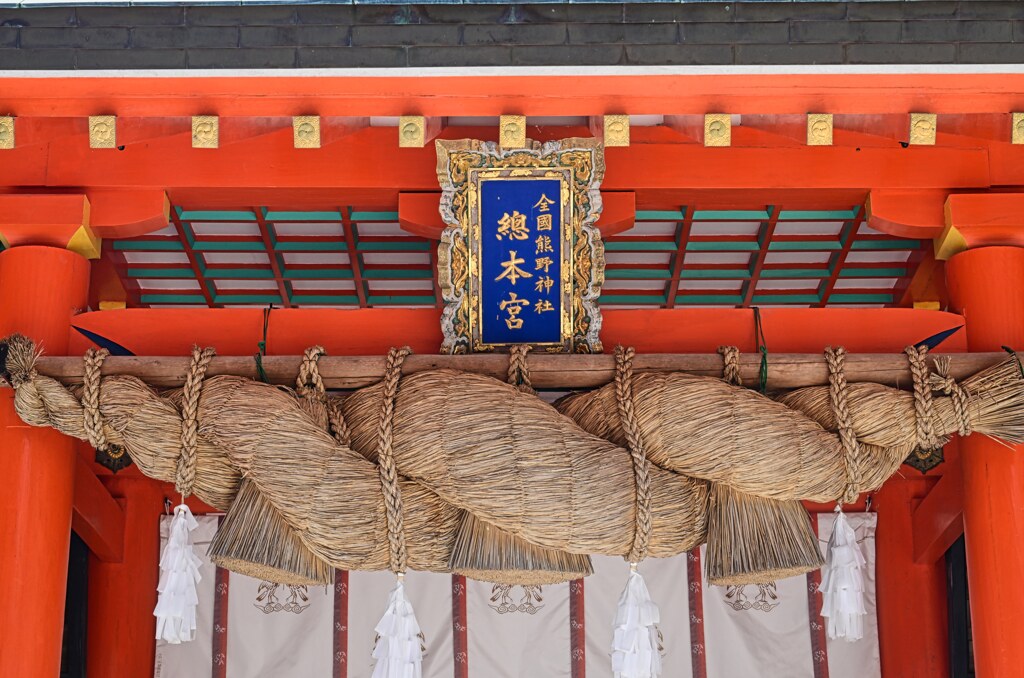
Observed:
{"x":786,"y":299}
{"x":639,"y":246}
{"x":405,"y":299}
{"x":731,"y":215}
{"x":733,"y":299}
{"x":196,"y":298}
{"x":400,"y":246}
{"x":148,"y":245}
{"x":886,"y":244}
{"x":796,"y":273}
{"x":715,"y":274}
{"x":722,"y":246}
{"x":655,"y":299}
{"x":213,"y":215}
{"x":318,"y":274}
{"x":302,"y":216}
{"x":895,"y":272}
{"x":320,"y":246}
{"x":860,"y":298}
{"x":246,"y":299}
{"x":660,"y":215}
{"x":238,"y":273}
{"x":160,"y":273}
{"x":801,"y":245}
{"x":819,"y":215}
{"x":335,"y":299}
{"x":636,"y":274}
{"x":397,"y":274}
{"x":220,"y":246}
{"x":375,"y":216}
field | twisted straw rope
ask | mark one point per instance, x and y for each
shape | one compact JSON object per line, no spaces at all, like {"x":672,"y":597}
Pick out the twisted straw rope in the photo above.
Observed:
{"x":947,"y":385}
{"x":926,"y":438}
{"x":91,"y":398}
{"x":635,"y":444}
{"x":518,"y":369}
{"x":185,"y":475}
{"x":731,"y":365}
{"x":309,"y":383}
{"x":853,"y":461}
{"x":386,"y":461}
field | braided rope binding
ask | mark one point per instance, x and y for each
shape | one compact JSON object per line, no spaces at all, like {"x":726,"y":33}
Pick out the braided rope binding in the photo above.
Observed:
{"x":838,"y":392}
{"x":635,"y":444}
{"x":386,"y":461}
{"x":519,"y":368}
{"x":185,"y":474}
{"x":942,"y":382}
{"x":91,"y":398}
{"x":309,"y":381}
{"x":730,"y":365}
{"x":923,"y":416}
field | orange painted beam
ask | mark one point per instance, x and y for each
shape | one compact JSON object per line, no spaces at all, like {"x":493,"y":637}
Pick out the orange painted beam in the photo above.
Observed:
{"x":938,"y":519}
{"x":907,"y":214}
{"x":418,"y":213}
{"x":987,"y":219}
{"x":42,"y":219}
{"x":123,"y":214}
{"x":97,"y":517}
{"x":492,"y":92}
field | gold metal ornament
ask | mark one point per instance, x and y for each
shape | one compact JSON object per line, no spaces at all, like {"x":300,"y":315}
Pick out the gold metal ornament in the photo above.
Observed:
{"x":205,"y":131}
{"x":616,"y":130}
{"x":819,"y":129}
{"x":1017,"y":134}
{"x":102,"y":131}
{"x":306,"y":131}
{"x":922,"y":129}
{"x":512,"y":131}
{"x":717,"y":129}
{"x":6,"y":133}
{"x":412,"y":131}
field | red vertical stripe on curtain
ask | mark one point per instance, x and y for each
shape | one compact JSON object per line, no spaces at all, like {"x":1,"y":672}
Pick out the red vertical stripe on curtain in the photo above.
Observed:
{"x":577,"y":630}
{"x":819,"y":642}
{"x":220,"y":621}
{"x":340,"y":624}
{"x":460,"y":628}
{"x":696,"y":592}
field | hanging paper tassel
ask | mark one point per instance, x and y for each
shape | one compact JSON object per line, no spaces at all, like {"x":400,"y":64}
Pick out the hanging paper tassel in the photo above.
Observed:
{"x":635,"y":651}
{"x":398,"y":651}
{"x":842,"y":583}
{"x":179,"y":573}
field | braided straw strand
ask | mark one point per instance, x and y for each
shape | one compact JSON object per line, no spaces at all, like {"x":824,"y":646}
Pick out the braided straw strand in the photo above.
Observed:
{"x":519,"y":369}
{"x":185,"y":476}
{"x":91,"y":398}
{"x":838,"y":393}
{"x":398,"y":557}
{"x":641,"y":467}
{"x":730,"y":365}
{"x":309,"y":379}
{"x":941,"y":381}
{"x":917,"y":357}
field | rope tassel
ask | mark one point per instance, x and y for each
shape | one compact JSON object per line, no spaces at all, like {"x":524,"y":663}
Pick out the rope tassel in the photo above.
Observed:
{"x":842,"y":583}
{"x":398,"y":651}
{"x":635,"y":651}
{"x":179,"y":573}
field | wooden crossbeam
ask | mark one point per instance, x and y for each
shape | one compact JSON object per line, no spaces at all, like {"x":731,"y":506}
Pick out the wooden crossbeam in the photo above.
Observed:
{"x":97,"y":517}
{"x":551,"y":371}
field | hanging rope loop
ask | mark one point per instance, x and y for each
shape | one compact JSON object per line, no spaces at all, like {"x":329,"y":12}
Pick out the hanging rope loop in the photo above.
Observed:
{"x":838,"y":393}
{"x":309,"y":381}
{"x":730,"y":365}
{"x":635,"y":444}
{"x":923,"y":410}
{"x":185,"y":473}
{"x":91,"y":398}
{"x":942,"y":382}
{"x":519,"y":368}
{"x":398,"y":557}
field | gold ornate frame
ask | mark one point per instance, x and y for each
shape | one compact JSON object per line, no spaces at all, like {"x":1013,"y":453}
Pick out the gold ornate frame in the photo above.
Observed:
{"x":461,"y":165}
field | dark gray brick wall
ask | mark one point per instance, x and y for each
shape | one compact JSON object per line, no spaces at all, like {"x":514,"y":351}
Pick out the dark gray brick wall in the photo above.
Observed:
{"x":370,"y":35}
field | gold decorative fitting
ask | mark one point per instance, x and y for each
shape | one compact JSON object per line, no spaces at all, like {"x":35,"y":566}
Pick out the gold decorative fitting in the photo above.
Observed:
{"x":205,"y":131}
{"x":616,"y":130}
{"x":6,"y":133}
{"x":102,"y":131}
{"x":306,"y":131}
{"x":512,"y":131}
{"x":819,"y":129}
{"x":717,"y":129}
{"x":412,"y":131}
{"x":922,"y":129}
{"x":1017,"y":133}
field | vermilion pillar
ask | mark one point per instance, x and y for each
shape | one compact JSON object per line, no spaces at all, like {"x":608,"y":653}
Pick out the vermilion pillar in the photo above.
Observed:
{"x":41,"y":288}
{"x":987,"y":286}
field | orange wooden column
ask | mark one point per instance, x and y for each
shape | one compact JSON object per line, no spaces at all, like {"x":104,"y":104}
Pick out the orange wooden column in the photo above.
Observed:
{"x":40,"y":289}
{"x":987,"y":285}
